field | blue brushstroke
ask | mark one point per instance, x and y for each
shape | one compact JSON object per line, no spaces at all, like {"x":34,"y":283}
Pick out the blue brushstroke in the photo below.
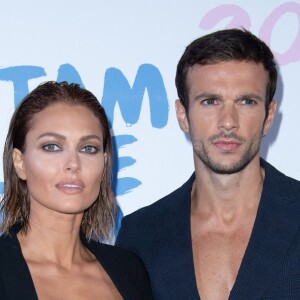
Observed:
{"x":19,"y":76}
{"x":126,"y":184}
{"x":67,"y":72}
{"x":124,"y":139}
{"x":117,"y":89}
{"x":118,"y":220}
{"x":123,"y":185}
{"x":125,"y":161}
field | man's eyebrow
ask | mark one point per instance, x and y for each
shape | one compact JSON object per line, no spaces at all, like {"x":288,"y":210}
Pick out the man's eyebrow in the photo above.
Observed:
{"x":251,"y":96}
{"x":217,"y":96}
{"x":207,"y":95}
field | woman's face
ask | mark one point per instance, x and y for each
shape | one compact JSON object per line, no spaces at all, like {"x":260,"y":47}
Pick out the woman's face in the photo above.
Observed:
{"x":63,"y":161}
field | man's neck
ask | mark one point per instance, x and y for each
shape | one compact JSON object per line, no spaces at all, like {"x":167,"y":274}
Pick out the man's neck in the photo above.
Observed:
{"x":226,"y":196}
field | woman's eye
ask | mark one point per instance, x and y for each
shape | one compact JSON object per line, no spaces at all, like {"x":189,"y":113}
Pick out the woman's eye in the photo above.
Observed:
{"x":89,"y":149}
{"x":51,"y":147}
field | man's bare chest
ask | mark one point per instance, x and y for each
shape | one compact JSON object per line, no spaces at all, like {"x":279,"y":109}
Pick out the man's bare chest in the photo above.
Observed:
{"x":217,"y":257}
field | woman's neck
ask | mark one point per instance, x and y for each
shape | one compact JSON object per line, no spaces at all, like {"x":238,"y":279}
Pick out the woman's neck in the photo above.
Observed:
{"x":53,"y":237}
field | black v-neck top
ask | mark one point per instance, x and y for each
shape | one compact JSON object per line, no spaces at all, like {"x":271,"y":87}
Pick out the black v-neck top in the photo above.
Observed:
{"x":123,"y":267}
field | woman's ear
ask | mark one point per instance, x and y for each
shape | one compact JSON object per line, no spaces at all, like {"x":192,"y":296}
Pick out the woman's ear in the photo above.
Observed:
{"x":19,"y":163}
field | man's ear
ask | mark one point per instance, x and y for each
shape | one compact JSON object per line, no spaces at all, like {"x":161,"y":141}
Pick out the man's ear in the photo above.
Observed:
{"x":19,"y":163}
{"x":182,"y":116}
{"x":270,"y":118}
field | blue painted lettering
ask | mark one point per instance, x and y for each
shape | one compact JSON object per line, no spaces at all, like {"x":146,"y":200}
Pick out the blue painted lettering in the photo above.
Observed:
{"x":117,"y":89}
{"x":20,"y":75}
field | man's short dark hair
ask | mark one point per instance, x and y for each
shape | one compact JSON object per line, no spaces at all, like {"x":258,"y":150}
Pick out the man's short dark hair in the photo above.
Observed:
{"x":222,"y":46}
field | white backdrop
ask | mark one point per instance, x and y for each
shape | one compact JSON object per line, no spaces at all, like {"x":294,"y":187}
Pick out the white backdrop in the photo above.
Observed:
{"x":126,"y":53}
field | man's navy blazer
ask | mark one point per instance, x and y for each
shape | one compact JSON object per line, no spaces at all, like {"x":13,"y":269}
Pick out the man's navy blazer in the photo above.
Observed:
{"x":161,"y":235}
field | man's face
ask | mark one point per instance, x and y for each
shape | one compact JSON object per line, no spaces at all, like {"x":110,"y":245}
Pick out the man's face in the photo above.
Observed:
{"x":226,"y":117}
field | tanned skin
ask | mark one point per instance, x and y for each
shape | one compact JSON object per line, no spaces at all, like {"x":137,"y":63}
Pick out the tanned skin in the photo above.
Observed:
{"x":226,"y":120}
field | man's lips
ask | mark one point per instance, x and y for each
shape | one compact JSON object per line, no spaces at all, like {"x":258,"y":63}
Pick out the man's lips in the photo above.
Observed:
{"x":74,"y":187}
{"x":227,"y":145}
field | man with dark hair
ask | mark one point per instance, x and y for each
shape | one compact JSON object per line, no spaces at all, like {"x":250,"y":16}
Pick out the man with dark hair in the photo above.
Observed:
{"x":232,"y":231}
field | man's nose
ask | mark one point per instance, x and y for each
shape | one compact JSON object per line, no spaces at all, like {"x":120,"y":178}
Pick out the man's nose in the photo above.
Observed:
{"x":228,"y":118}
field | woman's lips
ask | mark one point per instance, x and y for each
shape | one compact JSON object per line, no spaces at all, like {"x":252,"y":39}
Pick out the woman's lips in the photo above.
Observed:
{"x":70,"y":188}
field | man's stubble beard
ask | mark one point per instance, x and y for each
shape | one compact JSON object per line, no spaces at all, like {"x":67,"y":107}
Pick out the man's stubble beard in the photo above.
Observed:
{"x":250,"y":152}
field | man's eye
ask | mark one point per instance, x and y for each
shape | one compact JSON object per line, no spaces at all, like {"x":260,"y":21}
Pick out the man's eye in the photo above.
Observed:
{"x":248,"y":102}
{"x":89,"y":149}
{"x":51,"y":147}
{"x":209,"y":102}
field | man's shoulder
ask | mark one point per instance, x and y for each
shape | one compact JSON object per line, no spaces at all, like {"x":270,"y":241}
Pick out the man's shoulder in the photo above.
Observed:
{"x":165,"y":205}
{"x":291,"y":186}
{"x":280,"y":184}
{"x":152,"y":222}
{"x":277,"y":176}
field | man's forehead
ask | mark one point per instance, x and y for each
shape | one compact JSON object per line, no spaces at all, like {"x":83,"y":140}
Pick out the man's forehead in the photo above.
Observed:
{"x":246,"y":77}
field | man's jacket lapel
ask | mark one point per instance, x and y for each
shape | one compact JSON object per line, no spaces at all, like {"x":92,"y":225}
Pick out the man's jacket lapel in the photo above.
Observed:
{"x":276,"y":225}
